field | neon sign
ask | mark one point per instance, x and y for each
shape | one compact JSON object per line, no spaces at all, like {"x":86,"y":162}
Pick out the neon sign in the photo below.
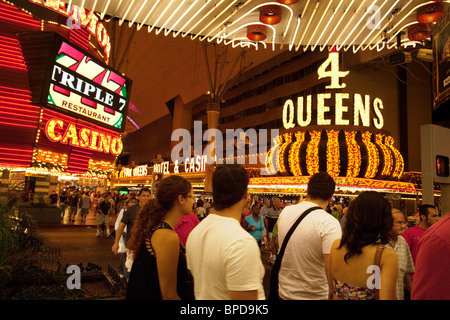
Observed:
{"x":365,"y":111}
{"x":81,"y":85}
{"x":81,"y":18}
{"x":57,"y":131}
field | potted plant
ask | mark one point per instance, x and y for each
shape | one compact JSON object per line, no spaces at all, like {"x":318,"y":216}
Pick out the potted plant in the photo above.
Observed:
{"x":27,"y":259}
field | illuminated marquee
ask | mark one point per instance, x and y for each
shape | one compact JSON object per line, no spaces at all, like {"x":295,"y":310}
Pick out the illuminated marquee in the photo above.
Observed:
{"x":87,"y":88}
{"x":366,"y":112}
{"x":57,"y":131}
{"x":341,"y":153}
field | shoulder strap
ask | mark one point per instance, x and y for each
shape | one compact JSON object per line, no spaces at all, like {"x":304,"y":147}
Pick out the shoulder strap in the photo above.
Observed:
{"x":291,"y":231}
{"x":273,"y":293}
{"x":377,"y":263}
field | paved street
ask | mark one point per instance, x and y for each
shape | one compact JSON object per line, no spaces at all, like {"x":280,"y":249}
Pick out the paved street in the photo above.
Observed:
{"x":78,"y":243}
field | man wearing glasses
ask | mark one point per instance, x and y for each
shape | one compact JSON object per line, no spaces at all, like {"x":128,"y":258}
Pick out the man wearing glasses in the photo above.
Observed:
{"x":405,"y":261}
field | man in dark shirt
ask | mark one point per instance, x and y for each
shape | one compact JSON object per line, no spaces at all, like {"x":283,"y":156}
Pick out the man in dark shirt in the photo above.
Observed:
{"x":103,"y":217}
{"x":53,"y":198}
{"x":74,"y":199}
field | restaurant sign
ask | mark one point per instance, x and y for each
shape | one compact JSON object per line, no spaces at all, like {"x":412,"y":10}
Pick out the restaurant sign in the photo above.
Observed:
{"x":81,"y":85}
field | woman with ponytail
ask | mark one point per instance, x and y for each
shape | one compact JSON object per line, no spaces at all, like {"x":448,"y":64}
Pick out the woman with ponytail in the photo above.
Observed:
{"x":159,"y":269}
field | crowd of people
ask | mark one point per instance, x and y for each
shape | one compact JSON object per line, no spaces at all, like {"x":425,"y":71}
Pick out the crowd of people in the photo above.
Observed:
{"x":105,"y":206}
{"x":178,"y":248}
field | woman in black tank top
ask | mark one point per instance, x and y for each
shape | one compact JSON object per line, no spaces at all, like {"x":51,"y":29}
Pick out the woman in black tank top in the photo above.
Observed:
{"x":159,"y":269}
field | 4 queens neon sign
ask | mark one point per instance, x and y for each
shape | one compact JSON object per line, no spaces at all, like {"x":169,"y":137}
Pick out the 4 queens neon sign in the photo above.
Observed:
{"x":366,"y":112}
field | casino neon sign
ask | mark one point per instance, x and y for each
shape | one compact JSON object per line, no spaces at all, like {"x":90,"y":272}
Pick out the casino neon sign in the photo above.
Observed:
{"x":58,"y":131}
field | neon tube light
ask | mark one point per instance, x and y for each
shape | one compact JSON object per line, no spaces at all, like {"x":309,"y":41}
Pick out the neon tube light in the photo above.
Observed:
{"x":362,"y":28}
{"x":192,"y":18}
{"x":382,"y":29}
{"x":338,"y":48}
{"x":307,"y":26}
{"x":326,"y":27}
{"x":318,"y":24}
{"x":160,"y":16}
{"x":212,"y":20}
{"x":126,"y":13}
{"x":378,"y":25}
{"x":295,"y":33}
{"x":148,"y":15}
{"x":136,"y":15}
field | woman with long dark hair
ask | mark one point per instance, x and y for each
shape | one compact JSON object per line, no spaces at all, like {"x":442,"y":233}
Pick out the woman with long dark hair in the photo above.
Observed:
{"x":159,"y":269}
{"x":353,"y":274}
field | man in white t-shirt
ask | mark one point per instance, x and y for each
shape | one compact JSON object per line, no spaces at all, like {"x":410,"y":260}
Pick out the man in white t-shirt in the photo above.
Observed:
{"x":303,"y":273}
{"x":224,"y":259}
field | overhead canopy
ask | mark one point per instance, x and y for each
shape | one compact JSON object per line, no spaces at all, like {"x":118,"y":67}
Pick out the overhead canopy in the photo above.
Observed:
{"x":306,"y":24}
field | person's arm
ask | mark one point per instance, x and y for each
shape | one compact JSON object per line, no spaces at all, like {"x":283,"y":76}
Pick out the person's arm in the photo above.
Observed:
{"x":119,"y":231}
{"x":166,"y":245}
{"x":408,"y":281}
{"x":326,"y":261}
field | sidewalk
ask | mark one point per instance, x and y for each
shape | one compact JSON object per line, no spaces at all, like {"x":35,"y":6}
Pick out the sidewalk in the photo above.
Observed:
{"x":91,"y":219}
{"x":79,"y":244}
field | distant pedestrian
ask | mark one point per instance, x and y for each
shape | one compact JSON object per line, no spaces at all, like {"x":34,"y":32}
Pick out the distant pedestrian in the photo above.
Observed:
{"x":159,"y":267}
{"x":303,"y":273}
{"x":104,"y":214}
{"x":224,"y":259}
{"x":53,"y":198}
{"x":272,"y":216}
{"x":354,"y":258}
{"x":122,"y":270}
{"x":428,"y":215}
{"x":85,"y":206}
{"x":405,"y":261}
{"x":201,"y":212}
{"x":254,"y":224}
{"x":74,"y":199}
{"x":129,"y":216}
{"x":63,"y":200}
{"x":184,"y":227}
{"x":263,"y":213}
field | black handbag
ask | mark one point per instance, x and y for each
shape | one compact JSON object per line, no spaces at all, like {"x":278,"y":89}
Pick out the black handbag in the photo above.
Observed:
{"x":273,"y":291}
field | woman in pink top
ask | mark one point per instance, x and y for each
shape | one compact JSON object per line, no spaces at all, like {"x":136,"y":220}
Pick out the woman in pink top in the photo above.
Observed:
{"x":185,"y":226}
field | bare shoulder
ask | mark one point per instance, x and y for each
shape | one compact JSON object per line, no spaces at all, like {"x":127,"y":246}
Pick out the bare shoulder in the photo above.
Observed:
{"x":389,"y":256}
{"x":165,"y":237}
